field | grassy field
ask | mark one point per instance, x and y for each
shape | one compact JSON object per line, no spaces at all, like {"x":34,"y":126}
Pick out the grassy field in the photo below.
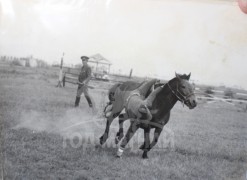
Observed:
{"x":44,"y":137}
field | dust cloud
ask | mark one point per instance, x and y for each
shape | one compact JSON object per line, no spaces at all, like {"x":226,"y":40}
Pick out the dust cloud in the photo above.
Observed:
{"x":72,"y":121}
{"x":83,"y":125}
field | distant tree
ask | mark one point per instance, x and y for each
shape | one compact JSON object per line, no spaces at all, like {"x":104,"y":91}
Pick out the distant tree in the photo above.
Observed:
{"x":41,"y":63}
{"x":16,"y":63}
{"x":209,"y":90}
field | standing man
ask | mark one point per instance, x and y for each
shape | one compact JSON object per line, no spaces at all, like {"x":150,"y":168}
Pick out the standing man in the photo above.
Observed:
{"x":83,"y":79}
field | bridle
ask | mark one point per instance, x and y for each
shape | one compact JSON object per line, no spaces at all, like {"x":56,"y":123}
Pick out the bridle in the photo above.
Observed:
{"x":181,"y":97}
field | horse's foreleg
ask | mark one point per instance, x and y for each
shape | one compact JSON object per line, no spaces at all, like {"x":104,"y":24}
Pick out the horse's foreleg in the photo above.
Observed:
{"x":146,"y":144}
{"x":104,"y":137}
{"x":157,"y":133}
{"x":131,"y":131}
{"x":120,"y":133}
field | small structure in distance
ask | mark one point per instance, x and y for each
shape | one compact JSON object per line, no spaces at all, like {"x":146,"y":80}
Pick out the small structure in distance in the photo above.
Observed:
{"x":100,"y":66}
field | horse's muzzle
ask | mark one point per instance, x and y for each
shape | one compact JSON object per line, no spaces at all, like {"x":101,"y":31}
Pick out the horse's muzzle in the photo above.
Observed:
{"x":191,"y":103}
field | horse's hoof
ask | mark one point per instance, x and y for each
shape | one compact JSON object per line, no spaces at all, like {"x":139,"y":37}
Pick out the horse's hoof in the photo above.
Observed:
{"x":118,"y":156}
{"x":141,"y":147}
{"x":145,"y":156}
{"x":102,"y":140}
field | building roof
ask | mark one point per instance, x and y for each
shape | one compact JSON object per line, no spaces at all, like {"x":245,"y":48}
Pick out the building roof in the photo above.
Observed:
{"x":98,"y":58}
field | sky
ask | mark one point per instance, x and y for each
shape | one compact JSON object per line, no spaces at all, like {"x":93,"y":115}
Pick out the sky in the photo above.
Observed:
{"x":154,"y":37}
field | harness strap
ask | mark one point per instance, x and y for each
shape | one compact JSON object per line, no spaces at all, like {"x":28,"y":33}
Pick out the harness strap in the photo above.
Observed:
{"x":185,"y":97}
{"x":174,"y":92}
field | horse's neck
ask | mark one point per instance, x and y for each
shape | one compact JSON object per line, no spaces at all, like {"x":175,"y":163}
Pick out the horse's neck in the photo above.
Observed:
{"x":165,"y":99}
{"x":145,"y":87}
{"x":150,"y":99}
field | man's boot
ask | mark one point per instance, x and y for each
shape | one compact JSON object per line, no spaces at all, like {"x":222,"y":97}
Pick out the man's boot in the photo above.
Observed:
{"x":77,"y":101}
{"x":89,"y":101}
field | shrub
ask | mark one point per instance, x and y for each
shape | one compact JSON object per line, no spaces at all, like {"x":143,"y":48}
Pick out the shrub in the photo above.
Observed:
{"x":229,"y":93}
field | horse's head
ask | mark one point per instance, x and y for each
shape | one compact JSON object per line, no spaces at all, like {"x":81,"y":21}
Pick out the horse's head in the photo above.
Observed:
{"x":183,"y":90}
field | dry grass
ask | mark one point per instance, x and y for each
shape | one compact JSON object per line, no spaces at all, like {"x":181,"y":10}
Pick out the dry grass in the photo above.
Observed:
{"x":209,"y":141}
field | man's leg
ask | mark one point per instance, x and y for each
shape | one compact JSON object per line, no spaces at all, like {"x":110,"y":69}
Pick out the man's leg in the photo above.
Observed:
{"x":88,"y":97}
{"x":77,"y":101}
{"x":78,"y":96}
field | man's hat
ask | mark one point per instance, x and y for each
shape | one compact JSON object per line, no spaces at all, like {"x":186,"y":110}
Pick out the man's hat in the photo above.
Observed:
{"x":84,"y":58}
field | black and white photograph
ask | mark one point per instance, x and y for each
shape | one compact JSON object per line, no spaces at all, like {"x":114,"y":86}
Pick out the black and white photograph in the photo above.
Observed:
{"x":123,"y":89}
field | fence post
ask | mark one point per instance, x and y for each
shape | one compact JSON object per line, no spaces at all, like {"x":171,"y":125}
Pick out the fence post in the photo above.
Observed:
{"x":64,"y":79}
{"x":60,"y":73}
{"x":131,"y":71}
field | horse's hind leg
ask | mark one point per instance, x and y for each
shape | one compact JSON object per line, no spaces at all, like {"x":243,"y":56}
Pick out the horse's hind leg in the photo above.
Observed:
{"x":104,"y":137}
{"x":131,"y":131}
{"x":120,"y":134}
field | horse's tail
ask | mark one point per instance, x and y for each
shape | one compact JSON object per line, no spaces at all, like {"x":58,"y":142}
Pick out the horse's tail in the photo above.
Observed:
{"x":112,"y":91}
{"x":111,"y":97}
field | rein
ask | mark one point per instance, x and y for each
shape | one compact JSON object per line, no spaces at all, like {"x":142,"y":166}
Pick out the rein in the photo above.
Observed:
{"x":182,"y":97}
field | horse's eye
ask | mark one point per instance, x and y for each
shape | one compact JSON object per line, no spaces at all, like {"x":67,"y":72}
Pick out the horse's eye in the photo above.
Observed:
{"x":183,"y":87}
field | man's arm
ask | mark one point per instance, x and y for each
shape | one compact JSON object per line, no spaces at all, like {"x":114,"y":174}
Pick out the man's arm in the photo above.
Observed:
{"x":79,"y":77}
{"x":89,"y":72}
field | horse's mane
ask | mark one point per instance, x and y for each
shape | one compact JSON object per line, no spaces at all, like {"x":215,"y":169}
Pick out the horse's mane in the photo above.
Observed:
{"x":155,"y":86}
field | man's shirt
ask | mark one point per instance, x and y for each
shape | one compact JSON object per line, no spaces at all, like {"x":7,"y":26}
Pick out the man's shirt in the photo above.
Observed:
{"x":85,"y":74}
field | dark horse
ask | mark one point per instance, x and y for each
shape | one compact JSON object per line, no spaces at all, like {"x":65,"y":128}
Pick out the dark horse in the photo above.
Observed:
{"x":166,"y":96}
{"x":118,"y":96}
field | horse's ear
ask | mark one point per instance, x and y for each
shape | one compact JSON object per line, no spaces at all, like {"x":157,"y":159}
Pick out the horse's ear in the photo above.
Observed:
{"x":177,"y":75}
{"x":188,"y":77}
